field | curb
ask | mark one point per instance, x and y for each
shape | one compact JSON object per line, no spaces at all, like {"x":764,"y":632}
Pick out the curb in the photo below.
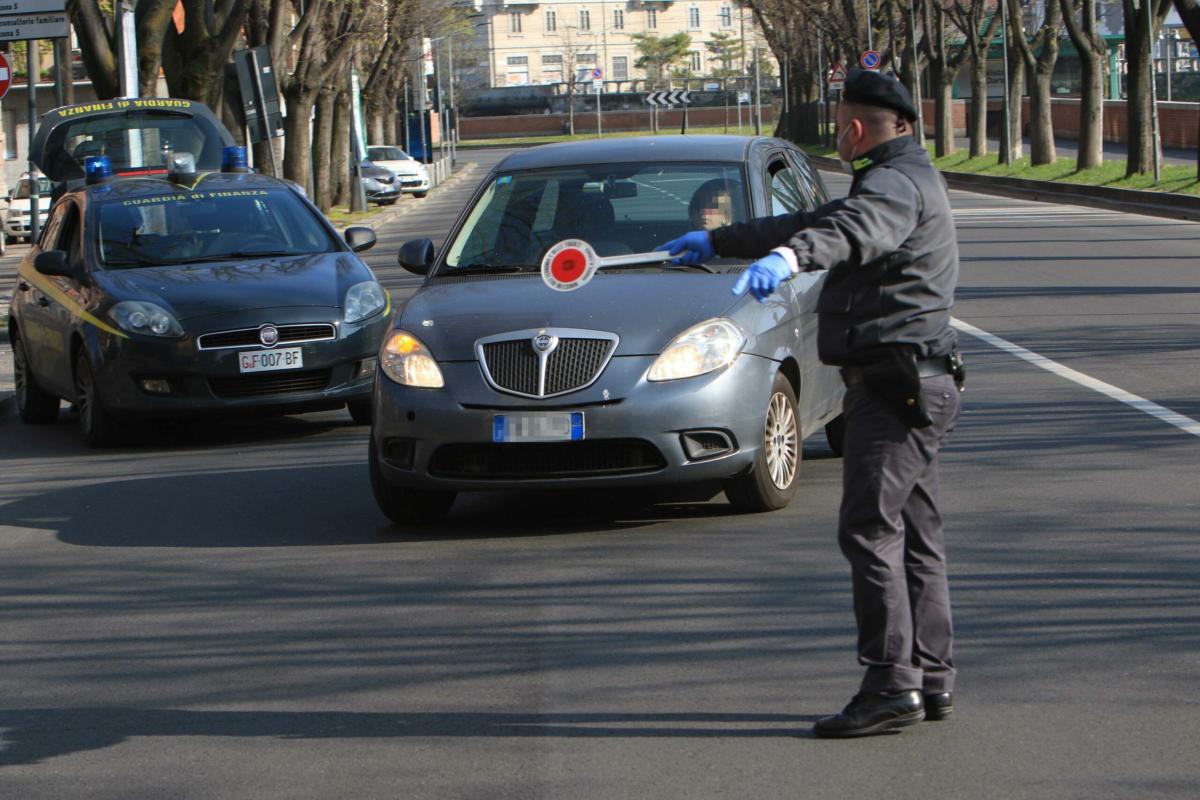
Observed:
{"x":1135,"y":201}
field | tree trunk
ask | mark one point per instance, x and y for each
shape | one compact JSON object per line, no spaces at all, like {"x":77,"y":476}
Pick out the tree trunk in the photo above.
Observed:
{"x":62,"y":56}
{"x":1016,"y":109}
{"x":321,"y":151}
{"x":979,"y":104}
{"x":1041,"y":144}
{"x":1091,"y":49}
{"x":296,"y":159}
{"x":1139,"y":107}
{"x":943,"y":134}
{"x":340,"y":162}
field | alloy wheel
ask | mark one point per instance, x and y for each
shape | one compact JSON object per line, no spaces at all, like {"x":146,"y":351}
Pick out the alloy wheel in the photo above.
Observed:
{"x":781,"y":441}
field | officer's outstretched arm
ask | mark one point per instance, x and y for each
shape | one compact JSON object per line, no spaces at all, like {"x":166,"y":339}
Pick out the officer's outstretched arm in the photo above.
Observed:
{"x":758,"y":237}
{"x":871,"y":224}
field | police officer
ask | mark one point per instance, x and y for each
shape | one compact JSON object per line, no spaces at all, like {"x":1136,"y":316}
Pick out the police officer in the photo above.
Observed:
{"x":884,"y":318}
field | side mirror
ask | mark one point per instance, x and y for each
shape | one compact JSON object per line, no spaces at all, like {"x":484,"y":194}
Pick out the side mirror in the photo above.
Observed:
{"x":359,"y":238}
{"x":54,"y":262}
{"x":416,"y":256}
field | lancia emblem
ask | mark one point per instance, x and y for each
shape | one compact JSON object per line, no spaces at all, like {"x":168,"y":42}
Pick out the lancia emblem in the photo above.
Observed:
{"x":544,"y":342}
{"x":268,"y":335}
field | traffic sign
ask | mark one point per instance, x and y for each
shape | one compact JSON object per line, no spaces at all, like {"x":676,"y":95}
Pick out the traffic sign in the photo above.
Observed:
{"x":5,"y":75}
{"x":870,"y":60}
{"x":597,"y":74}
{"x":743,"y":97}
{"x":837,"y":75}
{"x":670,"y":98}
{"x":597,"y":86}
{"x":16,"y":27}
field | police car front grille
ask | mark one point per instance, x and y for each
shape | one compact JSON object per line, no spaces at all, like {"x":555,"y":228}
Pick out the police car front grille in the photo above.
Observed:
{"x":248,"y":337}
{"x":541,"y":460}
{"x":269,"y":383}
{"x":573,"y":364}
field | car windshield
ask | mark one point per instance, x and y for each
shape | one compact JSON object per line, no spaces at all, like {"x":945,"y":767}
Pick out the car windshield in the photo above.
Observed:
{"x":192,"y":227}
{"x":386,"y":154}
{"x":616,"y":208}
{"x":45,"y":187}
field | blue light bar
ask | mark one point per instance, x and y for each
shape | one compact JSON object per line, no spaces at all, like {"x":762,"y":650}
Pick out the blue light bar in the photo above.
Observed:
{"x":97,"y":169}
{"x":233,"y":159}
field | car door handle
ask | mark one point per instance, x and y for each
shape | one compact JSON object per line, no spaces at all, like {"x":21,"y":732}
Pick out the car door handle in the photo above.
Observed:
{"x":22,"y":286}
{"x":43,"y":301}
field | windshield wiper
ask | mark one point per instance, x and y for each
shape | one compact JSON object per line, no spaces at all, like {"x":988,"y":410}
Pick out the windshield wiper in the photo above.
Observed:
{"x":662,"y":265}
{"x":242,"y":254}
{"x":485,"y":269}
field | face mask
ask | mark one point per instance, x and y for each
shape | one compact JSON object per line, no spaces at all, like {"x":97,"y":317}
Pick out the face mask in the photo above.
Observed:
{"x":847,"y":165}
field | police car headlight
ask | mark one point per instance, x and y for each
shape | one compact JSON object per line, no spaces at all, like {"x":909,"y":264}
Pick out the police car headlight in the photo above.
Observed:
{"x":364,"y":300}
{"x":408,"y":362}
{"x":148,"y":319}
{"x":702,"y":348}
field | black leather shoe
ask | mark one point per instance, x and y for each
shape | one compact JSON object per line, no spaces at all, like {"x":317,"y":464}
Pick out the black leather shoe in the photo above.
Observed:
{"x":938,"y":706}
{"x":869,"y":713}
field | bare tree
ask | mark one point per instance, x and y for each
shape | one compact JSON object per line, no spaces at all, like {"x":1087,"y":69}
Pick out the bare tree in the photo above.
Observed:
{"x":1189,"y":12}
{"x":945,"y":60}
{"x":1138,"y":104}
{"x":97,"y":45}
{"x":978,"y":24}
{"x":1085,"y":35}
{"x":193,"y":59}
{"x":1040,"y":53}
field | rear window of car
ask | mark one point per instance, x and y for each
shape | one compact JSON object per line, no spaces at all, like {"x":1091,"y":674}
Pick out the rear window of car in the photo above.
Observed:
{"x":386,"y":154}
{"x":616,"y":208}
{"x":215,"y":225}
{"x":133,"y":141}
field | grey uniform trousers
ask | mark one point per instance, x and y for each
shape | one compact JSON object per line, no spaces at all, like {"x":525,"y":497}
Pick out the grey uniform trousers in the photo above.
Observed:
{"x":891,"y":533}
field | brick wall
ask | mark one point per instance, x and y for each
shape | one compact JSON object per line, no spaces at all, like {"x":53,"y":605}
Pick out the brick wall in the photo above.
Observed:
{"x":549,"y":124}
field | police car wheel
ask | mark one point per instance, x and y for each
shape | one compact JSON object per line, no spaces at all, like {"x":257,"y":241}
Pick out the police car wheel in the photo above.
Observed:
{"x":35,"y":406}
{"x":406,"y":506}
{"x":835,"y":433}
{"x":771,"y":483}
{"x":100,"y":429}
{"x":360,"y":411}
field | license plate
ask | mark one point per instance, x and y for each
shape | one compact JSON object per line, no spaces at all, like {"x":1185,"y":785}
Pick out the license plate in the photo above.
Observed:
{"x":270,"y":360}
{"x":550,"y":427}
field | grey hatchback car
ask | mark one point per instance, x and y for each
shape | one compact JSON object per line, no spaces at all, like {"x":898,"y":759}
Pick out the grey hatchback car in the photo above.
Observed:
{"x":496,"y":376}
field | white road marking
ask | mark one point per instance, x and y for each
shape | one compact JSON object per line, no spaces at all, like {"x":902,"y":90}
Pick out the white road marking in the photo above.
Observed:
{"x":1116,"y":393}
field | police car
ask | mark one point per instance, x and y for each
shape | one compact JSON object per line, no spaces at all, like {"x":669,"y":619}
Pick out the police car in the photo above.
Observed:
{"x":188,"y":292}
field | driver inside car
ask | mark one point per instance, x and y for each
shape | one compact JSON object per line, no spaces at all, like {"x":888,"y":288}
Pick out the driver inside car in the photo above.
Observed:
{"x":711,"y":205}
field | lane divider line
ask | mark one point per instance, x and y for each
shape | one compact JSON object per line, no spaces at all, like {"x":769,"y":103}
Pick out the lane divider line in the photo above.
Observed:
{"x":1186,"y":424}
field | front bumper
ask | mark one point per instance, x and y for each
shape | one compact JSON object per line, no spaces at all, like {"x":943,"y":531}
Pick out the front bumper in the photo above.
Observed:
{"x":413,"y":183}
{"x":204,"y":381}
{"x":643,"y":426}
{"x":19,"y":226}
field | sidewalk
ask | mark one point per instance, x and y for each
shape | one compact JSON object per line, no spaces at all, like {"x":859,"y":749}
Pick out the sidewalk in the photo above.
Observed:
{"x":1069,"y":148}
{"x":8,"y":403}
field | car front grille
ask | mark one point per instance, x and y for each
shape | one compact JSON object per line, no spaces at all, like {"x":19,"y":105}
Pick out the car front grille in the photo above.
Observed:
{"x":248,"y":337}
{"x":516,"y":367}
{"x":541,"y":460}
{"x":269,"y":383}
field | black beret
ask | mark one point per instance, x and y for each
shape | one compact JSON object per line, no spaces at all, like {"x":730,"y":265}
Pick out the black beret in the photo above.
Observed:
{"x":870,"y":88}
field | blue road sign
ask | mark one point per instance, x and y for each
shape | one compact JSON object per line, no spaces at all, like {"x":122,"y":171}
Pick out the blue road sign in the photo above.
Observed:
{"x":870,"y":60}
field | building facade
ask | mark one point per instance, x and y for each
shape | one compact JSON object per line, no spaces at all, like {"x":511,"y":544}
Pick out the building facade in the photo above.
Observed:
{"x":539,"y":43}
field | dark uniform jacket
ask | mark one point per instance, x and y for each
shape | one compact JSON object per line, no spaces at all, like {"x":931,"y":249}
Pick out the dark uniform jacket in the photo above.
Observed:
{"x":890,"y":249}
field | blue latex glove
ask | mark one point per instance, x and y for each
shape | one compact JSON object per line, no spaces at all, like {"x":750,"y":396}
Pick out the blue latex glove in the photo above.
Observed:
{"x":696,"y":248}
{"x":763,"y":277}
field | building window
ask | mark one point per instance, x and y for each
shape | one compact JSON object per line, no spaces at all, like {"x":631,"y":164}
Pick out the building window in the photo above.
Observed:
{"x":693,"y":17}
{"x":516,"y":61}
{"x":551,"y":60}
{"x":651,"y":18}
{"x":695,"y":61}
{"x":585,"y":58}
{"x":514,"y":23}
{"x":551,"y":22}
{"x":620,"y":68}
{"x":618,"y":19}
{"x":726,"y":17}
{"x":585,"y":19}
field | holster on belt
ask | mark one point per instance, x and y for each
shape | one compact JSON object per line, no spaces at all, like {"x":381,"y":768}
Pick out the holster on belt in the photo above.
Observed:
{"x":893,"y":379}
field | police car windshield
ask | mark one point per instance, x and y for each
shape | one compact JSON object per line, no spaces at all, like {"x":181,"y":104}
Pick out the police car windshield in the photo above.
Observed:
{"x":200,"y":226}
{"x":616,"y":208}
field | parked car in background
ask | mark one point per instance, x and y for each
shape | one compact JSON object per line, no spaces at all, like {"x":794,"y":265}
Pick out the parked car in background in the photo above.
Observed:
{"x":413,"y":175}
{"x":379,"y":183}
{"x":16,"y":216}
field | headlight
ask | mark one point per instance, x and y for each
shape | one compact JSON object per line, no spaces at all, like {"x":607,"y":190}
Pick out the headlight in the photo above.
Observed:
{"x":372,"y":185}
{"x":408,"y":362}
{"x":148,"y":319}
{"x":701,"y":348}
{"x":364,"y":300}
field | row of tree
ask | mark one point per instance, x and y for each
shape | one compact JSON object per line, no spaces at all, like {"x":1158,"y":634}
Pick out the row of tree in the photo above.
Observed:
{"x":313,"y":45}
{"x":934,"y":40}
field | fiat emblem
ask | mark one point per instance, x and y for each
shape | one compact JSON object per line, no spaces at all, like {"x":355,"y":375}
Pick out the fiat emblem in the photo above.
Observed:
{"x":544,"y":342}
{"x":268,"y":335}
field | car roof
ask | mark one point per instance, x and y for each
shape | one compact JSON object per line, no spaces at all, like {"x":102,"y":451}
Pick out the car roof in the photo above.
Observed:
{"x":133,"y":186}
{"x":633,"y":149}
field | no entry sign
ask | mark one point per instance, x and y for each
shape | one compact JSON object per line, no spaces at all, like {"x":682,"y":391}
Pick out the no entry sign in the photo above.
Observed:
{"x":5,"y":75}
{"x":870,"y":60}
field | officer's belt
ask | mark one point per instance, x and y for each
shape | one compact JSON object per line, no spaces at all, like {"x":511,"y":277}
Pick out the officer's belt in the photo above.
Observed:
{"x":926,"y":368}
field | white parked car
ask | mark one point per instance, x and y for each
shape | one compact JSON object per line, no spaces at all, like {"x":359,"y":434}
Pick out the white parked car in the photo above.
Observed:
{"x":412,"y":174}
{"x":16,"y":216}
